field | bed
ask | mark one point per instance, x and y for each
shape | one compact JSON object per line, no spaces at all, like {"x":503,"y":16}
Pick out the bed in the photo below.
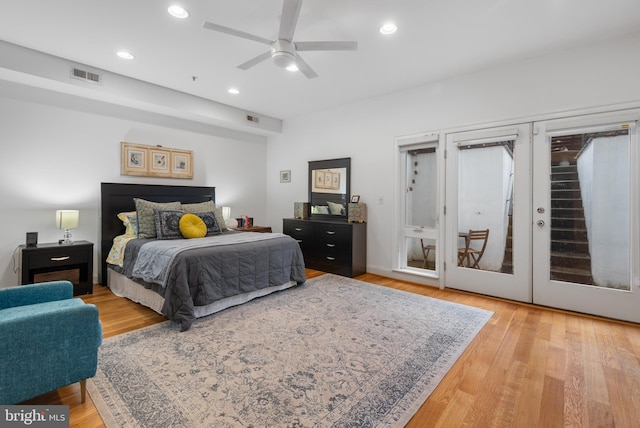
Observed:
{"x":197,"y":277}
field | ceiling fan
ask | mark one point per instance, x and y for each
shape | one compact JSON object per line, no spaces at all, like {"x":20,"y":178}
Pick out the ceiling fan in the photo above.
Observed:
{"x":284,"y":51}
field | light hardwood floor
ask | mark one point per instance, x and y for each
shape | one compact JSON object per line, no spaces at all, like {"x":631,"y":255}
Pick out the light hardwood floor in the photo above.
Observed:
{"x":528,"y":367}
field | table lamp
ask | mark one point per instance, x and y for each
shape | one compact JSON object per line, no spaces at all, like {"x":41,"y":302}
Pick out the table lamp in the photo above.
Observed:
{"x":67,"y":220}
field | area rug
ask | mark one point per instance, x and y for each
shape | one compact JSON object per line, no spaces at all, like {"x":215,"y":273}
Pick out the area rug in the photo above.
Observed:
{"x":334,"y":352}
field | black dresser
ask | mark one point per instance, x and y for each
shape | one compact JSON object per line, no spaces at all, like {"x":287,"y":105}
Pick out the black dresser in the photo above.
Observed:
{"x":331,"y":246}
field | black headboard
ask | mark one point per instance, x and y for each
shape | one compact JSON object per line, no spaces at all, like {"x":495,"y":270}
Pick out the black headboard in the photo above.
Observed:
{"x":117,"y":197}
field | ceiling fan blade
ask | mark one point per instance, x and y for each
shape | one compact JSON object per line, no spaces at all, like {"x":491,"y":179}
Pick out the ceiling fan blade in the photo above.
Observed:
{"x":222,"y":29}
{"x":304,"y":68}
{"x":253,"y":61}
{"x":289,"y":18}
{"x":326,"y":46}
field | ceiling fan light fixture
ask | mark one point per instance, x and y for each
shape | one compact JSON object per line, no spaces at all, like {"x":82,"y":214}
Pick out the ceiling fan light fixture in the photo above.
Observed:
{"x":283,"y":59}
{"x":293,"y":67}
{"x":178,"y":11}
{"x":388,"y":28}
{"x":233,"y":91}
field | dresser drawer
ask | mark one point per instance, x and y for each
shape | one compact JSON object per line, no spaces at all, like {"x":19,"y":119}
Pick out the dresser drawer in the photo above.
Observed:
{"x":300,"y":231}
{"x":57,"y":257}
{"x":337,"y":235}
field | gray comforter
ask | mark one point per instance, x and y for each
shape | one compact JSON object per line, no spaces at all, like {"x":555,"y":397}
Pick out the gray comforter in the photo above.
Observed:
{"x":196,"y":275}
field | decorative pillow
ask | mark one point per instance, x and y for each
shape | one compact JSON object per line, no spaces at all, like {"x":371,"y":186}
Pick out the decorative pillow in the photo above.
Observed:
{"x":168,"y":223}
{"x":211,"y":222}
{"x":206,"y":207}
{"x":335,"y":209}
{"x":130,"y":222}
{"x":116,"y":254}
{"x":192,"y":226}
{"x":320,"y":209}
{"x":146,"y":221}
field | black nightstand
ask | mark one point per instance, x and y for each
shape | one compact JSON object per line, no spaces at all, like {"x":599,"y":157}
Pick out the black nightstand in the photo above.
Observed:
{"x":52,"y":262}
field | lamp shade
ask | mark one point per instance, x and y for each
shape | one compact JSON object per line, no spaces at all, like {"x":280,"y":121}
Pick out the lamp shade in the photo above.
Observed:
{"x":226,"y":212}
{"x":67,"y":219}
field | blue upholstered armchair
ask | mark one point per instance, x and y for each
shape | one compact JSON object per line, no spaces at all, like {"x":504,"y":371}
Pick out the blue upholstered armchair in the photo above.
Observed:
{"x":48,"y":340}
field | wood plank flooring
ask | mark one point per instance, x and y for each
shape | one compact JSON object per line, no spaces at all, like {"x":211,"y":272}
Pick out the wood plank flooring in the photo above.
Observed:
{"x":529,"y":366}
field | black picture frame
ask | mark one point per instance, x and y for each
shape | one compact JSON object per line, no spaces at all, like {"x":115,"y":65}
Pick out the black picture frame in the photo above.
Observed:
{"x":355,"y":199}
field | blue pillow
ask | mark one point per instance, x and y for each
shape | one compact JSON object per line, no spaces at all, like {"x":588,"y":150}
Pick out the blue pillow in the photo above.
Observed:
{"x":168,"y":223}
{"x":209,"y":218}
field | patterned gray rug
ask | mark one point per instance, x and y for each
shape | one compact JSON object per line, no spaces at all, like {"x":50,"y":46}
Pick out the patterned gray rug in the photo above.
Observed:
{"x":334,"y":352}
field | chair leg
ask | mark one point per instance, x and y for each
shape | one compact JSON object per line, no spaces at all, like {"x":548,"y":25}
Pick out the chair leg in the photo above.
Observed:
{"x":83,"y":390}
{"x":426,"y":256}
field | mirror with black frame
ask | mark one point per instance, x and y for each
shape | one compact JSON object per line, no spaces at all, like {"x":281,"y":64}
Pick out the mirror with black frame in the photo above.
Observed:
{"x":329,"y":188}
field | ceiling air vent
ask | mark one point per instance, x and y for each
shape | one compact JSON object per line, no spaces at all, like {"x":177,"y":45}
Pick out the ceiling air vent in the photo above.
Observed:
{"x":254,"y":119}
{"x":88,"y":76}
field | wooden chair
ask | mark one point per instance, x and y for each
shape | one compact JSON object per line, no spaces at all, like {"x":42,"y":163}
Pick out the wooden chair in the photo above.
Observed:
{"x":426,"y":249}
{"x":469,"y":256}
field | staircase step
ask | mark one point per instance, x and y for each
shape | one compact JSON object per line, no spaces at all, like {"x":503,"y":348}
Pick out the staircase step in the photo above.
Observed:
{"x":559,"y":234}
{"x":564,"y":175}
{"x":566,"y":203}
{"x":565,"y":184}
{"x":578,"y":247}
{"x":563,"y":168}
{"x":565,"y":194}
{"x":570,"y":260}
{"x":567,"y":212}
{"x":579,"y":276}
{"x":568,"y":223}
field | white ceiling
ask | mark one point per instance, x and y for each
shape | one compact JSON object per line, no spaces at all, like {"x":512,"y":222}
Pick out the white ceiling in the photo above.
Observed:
{"x":436,"y":39}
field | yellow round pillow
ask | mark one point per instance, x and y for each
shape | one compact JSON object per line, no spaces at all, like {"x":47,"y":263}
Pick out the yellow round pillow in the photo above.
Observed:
{"x":192,"y":226}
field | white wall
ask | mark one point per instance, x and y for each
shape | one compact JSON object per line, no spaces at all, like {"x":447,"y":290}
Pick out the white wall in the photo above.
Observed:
{"x":56,"y":158}
{"x":599,"y":75}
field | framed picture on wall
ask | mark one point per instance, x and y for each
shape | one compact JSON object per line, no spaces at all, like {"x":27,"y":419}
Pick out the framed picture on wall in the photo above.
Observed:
{"x":181,"y":164}
{"x":134,"y":159}
{"x":159,"y":160}
{"x":285,"y":176}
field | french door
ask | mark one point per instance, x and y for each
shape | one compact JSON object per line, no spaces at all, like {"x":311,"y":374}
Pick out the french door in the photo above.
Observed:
{"x":560,"y":201}
{"x":488,"y":182}
{"x":585,"y":218}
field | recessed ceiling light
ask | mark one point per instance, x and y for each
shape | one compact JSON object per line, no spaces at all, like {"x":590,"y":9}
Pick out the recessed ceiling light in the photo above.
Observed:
{"x":388,"y":28}
{"x":293,"y":67}
{"x":178,"y":12}
{"x":233,"y":91}
{"x":125,"y":55}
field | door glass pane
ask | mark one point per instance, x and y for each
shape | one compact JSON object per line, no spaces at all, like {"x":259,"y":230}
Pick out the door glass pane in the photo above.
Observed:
{"x":590,"y":209}
{"x":485,"y":197}
{"x":421,"y":253}
{"x":421,"y":207}
{"x":421,"y":184}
